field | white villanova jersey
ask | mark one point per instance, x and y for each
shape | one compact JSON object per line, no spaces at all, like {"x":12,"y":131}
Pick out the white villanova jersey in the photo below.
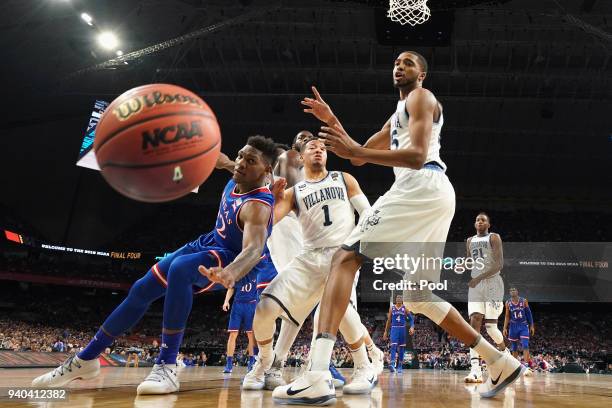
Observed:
{"x":324,"y":211}
{"x":400,"y":139}
{"x":480,"y":247}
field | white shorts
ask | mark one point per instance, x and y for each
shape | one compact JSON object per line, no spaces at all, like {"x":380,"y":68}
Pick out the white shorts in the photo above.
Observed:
{"x":487,"y":298}
{"x":299,"y":288}
{"x":285,"y":242}
{"x":412,"y":218}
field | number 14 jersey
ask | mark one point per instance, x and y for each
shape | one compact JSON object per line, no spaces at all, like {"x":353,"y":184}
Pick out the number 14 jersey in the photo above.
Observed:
{"x":324,"y":211}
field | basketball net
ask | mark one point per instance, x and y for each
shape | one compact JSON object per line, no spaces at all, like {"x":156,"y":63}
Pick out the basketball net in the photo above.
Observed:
{"x":412,"y":12}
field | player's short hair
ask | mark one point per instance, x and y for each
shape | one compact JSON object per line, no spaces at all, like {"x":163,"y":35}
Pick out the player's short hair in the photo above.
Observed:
{"x":283,"y":146}
{"x":308,"y":140}
{"x":485,"y":214}
{"x":421,"y":59}
{"x":266,"y":146}
{"x":298,"y":133}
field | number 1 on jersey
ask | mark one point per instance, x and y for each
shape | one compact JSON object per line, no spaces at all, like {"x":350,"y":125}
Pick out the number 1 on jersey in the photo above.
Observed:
{"x":327,"y":222}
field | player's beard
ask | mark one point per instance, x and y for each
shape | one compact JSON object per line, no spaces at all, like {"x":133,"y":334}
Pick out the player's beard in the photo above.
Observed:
{"x":405,"y":83}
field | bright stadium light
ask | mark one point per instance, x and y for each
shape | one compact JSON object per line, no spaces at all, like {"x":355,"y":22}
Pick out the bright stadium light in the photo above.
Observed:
{"x":87,"y":18}
{"x":108,"y":40}
{"x":119,"y":53}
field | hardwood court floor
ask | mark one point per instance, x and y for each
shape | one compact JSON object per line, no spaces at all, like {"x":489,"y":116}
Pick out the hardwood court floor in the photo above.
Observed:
{"x":208,"y":387}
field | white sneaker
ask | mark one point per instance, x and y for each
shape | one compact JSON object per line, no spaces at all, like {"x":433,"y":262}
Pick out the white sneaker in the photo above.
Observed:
{"x":502,"y":373}
{"x":161,"y":380}
{"x":313,"y":388}
{"x":378,"y":359}
{"x":475,"y":376}
{"x":71,"y":369}
{"x":274,"y":378}
{"x":256,"y":378}
{"x":528,"y":372}
{"x":363,"y":380}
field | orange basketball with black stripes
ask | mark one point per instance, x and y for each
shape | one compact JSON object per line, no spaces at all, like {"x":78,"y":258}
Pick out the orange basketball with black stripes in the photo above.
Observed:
{"x":157,"y":142}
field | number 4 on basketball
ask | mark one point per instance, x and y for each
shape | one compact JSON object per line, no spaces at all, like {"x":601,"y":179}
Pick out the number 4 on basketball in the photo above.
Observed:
{"x":178,"y":174}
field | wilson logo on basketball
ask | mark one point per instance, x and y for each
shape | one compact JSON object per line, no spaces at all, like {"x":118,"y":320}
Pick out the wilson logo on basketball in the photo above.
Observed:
{"x":171,"y":134}
{"x":134,"y":105}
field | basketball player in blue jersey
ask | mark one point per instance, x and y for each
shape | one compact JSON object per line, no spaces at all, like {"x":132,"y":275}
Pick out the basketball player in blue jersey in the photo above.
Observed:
{"x":237,"y":244}
{"x":518,"y":324}
{"x":417,"y":209}
{"x":396,"y":318}
{"x":241,"y":317}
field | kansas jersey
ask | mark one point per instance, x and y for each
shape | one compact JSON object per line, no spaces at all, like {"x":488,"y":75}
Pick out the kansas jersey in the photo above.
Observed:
{"x":517,"y":312}
{"x":400,"y":138}
{"x":228,"y":232}
{"x":324,"y":211}
{"x":398,"y":316}
{"x":246,"y":292}
{"x":480,"y":247}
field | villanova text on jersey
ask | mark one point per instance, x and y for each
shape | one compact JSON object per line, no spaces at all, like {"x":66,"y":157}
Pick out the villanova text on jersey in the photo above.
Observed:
{"x":324,"y":194}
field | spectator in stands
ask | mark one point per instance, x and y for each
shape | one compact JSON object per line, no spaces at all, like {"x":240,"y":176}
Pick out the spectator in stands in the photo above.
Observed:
{"x":58,"y":346}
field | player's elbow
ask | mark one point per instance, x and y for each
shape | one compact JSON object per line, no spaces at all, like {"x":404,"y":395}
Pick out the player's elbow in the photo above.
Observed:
{"x":417,"y":161}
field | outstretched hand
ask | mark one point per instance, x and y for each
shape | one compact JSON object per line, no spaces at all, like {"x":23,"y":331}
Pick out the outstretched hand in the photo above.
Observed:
{"x":338,"y":141}
{"x":218,"y":275}
{"x":278,"y":188}
{"x":318,"y":107}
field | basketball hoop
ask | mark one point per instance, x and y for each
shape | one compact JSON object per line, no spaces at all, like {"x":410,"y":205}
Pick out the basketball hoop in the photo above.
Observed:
{"x":412,"y":12}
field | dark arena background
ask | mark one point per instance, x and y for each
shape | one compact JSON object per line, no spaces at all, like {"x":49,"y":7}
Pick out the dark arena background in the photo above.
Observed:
{"x":526,"y":88}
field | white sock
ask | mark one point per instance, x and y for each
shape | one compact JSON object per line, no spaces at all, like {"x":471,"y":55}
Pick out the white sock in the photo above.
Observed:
{"x":266,"y":354}
{"x":489,"y":353}
{"x":321,"y":353}
{"x":286,"y":337}
{"x":360,"y":356}
{"x":474,"y":360}
{"x":372,"y":349}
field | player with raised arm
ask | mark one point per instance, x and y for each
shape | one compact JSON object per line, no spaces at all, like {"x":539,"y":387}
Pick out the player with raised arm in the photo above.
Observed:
{"x":236,"y":246}
{"x":414,"y":214}
{"x":324,"y":203}
{"x":285,"y":244}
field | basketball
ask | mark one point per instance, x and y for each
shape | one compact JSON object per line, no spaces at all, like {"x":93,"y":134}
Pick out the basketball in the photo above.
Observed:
{"x":157,"y":142}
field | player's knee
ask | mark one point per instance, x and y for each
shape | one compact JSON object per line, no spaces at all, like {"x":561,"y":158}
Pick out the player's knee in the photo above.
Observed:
{"x":180,"y":275}
{"x":342,"y":257}
{"x":476,"y":319}
{"x":427,"y":304}
{"x":266,"y":309}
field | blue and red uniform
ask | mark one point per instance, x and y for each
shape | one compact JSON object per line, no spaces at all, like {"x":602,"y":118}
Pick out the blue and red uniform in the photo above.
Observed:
{"x":520,"y":319}
{"x":228,"y":232}
{"x":398,"y":325}
{"x":243,"y":307}
{"x":220,"y":246}
{"x":398,"y":334}
{"x":176,"y":277}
